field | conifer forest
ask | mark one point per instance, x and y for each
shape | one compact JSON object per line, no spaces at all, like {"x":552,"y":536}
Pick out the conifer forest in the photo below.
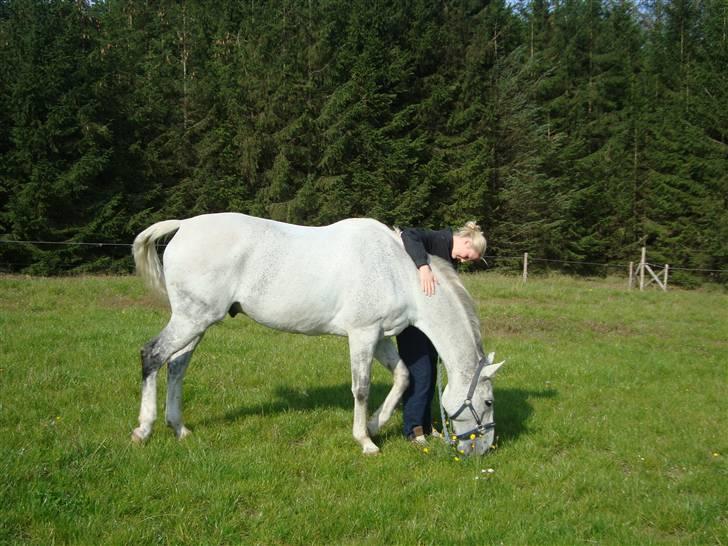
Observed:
{"x":575,"y":130}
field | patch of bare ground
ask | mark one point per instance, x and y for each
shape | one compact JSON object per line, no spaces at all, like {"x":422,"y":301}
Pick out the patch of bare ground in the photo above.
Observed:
{"x":147,"y":301}
{"x":506,"y":326}
{"x":600,"y":327}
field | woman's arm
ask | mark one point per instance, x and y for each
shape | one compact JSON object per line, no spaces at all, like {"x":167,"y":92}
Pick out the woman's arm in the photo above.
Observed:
{"x":415,"y":241}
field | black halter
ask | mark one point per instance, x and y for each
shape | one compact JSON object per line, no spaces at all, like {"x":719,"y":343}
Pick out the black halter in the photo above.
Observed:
{"x":481,"y":428}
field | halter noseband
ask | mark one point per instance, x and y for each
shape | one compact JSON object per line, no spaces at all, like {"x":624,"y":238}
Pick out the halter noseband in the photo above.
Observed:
{"x":481,"y":428}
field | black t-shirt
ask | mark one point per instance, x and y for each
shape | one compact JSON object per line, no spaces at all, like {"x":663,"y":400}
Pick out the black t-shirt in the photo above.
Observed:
{"x":419,"y":242}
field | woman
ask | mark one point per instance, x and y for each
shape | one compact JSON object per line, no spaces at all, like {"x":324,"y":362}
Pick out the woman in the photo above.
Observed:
{"x":465,"y":245}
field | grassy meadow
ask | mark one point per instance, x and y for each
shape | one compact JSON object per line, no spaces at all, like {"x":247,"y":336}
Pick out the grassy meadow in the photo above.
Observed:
{"x":612,"y":423}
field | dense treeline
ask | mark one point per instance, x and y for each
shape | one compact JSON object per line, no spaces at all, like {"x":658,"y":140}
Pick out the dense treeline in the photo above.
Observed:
{"x":572,"y":129}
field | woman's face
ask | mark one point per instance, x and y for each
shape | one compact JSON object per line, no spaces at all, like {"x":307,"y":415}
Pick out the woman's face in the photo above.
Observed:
{"x":462,"y":249}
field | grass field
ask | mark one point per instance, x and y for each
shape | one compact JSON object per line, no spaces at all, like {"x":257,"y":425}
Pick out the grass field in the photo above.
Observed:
{"x":611,"y":416}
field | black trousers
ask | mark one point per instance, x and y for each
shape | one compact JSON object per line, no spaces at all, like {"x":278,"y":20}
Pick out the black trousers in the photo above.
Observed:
{"x":420,"y":357}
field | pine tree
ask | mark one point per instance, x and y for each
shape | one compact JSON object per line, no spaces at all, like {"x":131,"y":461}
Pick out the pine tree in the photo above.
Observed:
{"x":59,"y":151}
{"x":685,"y":187}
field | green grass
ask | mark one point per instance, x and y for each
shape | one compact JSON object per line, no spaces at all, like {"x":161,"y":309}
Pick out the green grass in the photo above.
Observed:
{"x":611,"y":416}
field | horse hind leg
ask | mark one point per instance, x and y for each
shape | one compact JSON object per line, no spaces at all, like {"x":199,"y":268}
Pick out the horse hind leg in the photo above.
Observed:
{"x":387,"y":354}
{"x":151,"y":362}
{"x":175,"y":375}
{"x":175,"y":337}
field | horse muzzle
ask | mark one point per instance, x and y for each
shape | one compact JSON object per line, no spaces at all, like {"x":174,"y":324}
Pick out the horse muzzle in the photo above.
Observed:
{"x":478,"y":444}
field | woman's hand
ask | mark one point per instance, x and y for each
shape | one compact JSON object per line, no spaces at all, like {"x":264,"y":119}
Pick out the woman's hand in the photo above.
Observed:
{"x":427,"y":280}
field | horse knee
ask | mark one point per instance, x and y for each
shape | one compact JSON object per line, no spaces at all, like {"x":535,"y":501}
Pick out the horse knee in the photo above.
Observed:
{"x":361,"y":393}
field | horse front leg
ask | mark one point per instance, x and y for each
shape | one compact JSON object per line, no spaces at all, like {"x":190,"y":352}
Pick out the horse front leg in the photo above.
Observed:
{"x":387,"y":354}
{"x":361,"y":349}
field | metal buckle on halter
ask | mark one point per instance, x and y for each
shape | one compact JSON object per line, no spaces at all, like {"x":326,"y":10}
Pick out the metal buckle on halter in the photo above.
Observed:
{"x":479,"y":431}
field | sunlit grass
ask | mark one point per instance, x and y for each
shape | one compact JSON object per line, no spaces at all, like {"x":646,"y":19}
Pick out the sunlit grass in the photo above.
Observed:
{"x":610,"y":410}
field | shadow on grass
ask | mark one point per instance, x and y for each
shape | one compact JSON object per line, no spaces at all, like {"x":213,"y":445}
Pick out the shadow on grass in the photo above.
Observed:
{"x":513,"y":407}
{"x":513,"y":410}
{"x":289,"y":399}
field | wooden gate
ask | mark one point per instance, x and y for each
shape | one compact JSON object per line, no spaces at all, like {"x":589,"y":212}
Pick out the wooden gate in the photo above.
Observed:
{"x":654,"y":276}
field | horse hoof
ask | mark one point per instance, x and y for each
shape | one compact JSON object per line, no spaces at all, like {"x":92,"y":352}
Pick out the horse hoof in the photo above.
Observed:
{"x":370,"y":450}
{"x":183,"y":433}
{"x":137,"y":436}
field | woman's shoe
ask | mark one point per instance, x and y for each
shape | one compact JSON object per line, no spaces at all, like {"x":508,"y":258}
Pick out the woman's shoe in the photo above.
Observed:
{"x":417,"y":436}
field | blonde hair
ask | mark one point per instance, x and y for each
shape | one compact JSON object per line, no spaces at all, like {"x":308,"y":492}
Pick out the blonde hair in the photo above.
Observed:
{"x":472,"y":231}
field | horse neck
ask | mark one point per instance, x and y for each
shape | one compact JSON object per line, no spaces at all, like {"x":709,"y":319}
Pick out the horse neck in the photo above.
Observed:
{"x":447,"y":324}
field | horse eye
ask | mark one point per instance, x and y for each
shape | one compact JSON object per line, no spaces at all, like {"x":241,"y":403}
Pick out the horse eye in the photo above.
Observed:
{"x":489,"y":403}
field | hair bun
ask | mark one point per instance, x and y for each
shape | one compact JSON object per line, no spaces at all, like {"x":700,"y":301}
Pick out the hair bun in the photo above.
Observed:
{"x":472,"y":224}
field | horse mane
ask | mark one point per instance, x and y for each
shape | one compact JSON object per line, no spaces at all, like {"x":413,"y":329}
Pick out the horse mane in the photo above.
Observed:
{"x":445,"y":271}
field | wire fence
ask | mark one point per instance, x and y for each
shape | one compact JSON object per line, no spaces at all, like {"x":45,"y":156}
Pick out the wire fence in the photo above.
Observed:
{"x":118,"y":262}
{"x":593,"y":264}
{"x":40,"y":257}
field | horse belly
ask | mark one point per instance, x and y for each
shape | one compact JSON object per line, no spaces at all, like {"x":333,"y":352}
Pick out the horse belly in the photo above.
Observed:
{"x":293,"y":316}
{"x":299,"y":302}
{"x":324,"y":304}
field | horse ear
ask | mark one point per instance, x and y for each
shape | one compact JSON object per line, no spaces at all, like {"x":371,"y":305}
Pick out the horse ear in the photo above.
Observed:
{"x":489,"y":371}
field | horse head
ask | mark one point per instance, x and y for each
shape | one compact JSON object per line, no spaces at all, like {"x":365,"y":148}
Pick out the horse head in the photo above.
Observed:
{"x":470,"y":408}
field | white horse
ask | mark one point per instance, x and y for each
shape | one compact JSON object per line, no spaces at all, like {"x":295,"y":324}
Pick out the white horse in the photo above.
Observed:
{"x":352,"y":278}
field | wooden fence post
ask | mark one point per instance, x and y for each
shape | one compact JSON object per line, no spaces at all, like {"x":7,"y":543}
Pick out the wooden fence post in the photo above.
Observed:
{"x":642,"y":268}
{"x":525,"y":266}
{"x":664,"y":283}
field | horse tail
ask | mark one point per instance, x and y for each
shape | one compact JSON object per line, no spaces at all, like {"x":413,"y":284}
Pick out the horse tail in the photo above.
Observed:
{"x":148,"y":265}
